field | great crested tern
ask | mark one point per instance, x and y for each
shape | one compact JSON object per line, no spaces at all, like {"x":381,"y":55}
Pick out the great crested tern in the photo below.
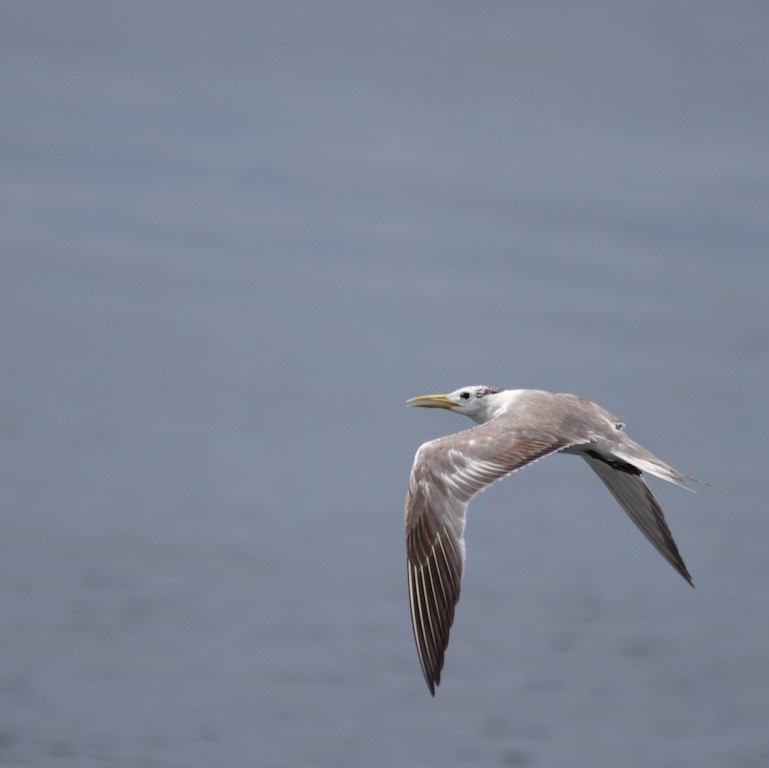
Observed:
{"x":517,"y":427}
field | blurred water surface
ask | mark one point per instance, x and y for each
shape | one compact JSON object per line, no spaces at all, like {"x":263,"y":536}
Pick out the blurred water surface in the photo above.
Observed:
{"x":236,"y":237}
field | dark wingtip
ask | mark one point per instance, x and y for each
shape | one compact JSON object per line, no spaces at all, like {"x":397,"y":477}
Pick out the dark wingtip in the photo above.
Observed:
{"x":678,"y":563}
{"x":683,"y":570}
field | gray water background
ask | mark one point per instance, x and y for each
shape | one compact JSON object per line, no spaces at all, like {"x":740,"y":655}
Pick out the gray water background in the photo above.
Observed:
{"x":236,"y":237}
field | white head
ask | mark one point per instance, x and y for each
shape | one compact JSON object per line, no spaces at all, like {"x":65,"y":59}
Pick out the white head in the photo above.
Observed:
{"x":478,"y":403}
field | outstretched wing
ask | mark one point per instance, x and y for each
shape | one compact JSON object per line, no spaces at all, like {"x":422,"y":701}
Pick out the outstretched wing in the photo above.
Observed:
{"x":447,"y":473}
{"x":629,"y":489}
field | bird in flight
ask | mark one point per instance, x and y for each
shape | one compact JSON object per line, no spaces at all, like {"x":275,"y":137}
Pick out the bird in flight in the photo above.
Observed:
{"x":516,"y":428}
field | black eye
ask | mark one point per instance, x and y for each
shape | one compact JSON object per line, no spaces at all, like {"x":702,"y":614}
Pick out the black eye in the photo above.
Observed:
{"x":465,"y":395}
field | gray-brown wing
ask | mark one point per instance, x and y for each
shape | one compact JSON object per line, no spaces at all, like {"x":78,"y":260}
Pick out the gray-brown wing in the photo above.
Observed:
{"x":447,"y":473}
{"x":629,"y":489}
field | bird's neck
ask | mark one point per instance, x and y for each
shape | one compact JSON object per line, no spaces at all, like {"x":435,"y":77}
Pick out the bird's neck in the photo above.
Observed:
{"x":496,"y":404}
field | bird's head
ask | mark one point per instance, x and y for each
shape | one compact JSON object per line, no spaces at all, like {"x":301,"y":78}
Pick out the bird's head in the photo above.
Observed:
{"x":477,"y":402}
